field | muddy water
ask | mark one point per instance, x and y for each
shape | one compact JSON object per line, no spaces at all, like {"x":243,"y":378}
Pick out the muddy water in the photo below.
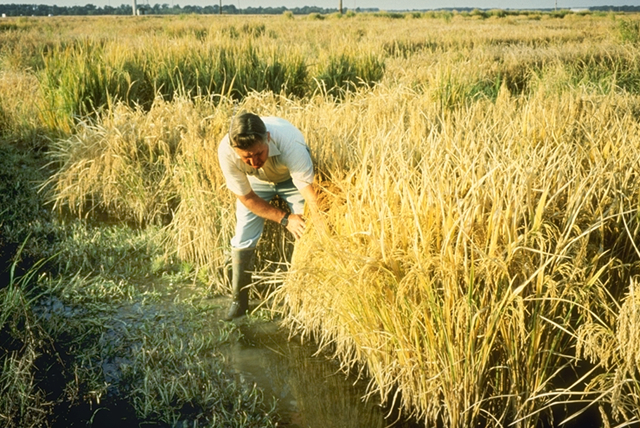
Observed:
{"x":310,"y":390}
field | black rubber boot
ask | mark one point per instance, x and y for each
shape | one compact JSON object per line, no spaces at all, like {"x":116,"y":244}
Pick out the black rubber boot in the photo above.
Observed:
{"x":241,"y":265}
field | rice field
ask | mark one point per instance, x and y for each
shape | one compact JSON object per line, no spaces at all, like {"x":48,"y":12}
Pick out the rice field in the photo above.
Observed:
{"x":478,"y":260}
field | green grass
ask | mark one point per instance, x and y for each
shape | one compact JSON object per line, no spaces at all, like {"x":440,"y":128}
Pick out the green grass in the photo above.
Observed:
{"x":114,"y":338}
{"x":629,"y":30}
{"x":23,"y":342}
{"x":88,"y":75}
{"x":100,"y":321}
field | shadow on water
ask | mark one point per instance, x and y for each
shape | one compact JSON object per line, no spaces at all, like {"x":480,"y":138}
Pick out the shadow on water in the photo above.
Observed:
{"x":311,"y":391}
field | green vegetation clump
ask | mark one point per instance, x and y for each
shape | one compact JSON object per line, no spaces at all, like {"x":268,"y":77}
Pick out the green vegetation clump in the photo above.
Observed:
{"x":27,"y":226}
{"x":390,"y":15}
{"x":498,"y":13}
{"x":25,"y":350}
{"x":629,"y":30}
{"x":559,"y":13}
{"x":80,"y":78}
{"x":342,"y":73}
{"x":87,"y":327}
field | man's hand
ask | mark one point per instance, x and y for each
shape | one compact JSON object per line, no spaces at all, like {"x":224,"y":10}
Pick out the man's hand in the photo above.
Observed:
{"x":296,"y":225}
{"x":262,"y":208}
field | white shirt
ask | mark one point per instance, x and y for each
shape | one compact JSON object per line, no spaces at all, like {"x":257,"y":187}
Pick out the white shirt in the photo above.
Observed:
{"x":289,"y":157}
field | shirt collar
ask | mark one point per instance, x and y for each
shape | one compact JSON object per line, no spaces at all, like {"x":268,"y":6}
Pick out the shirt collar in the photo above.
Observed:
{"x":273,"y":149}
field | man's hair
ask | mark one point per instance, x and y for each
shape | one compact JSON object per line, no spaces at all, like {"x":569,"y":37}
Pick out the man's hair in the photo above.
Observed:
{"x":245,"y":130}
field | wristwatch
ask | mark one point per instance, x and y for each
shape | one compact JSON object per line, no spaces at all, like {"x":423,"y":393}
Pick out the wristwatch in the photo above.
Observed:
{"x":285,"y":220}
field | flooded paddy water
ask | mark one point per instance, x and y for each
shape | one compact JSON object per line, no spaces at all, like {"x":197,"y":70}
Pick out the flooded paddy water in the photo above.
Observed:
{"x":310,"y":389}
{"x":306,"y":390}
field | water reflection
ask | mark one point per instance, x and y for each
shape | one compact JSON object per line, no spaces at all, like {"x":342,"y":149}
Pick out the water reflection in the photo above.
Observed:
{"x":311,"y":391}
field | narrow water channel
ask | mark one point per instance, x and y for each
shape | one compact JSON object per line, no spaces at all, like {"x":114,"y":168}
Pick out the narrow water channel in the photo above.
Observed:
{"x":311,"y":391}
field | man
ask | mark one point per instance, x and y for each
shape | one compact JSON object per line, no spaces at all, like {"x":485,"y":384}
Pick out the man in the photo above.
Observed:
{"x":261,"y":158}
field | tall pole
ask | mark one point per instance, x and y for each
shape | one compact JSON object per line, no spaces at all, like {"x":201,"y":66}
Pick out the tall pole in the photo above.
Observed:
{"x":220,"y":10}
{"x":134,"y":7}
{"x":340,"y":7}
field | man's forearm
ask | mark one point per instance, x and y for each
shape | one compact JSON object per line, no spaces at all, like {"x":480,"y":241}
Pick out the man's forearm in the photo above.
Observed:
{"x":261,"y":208}
{"x":311,"y":198}
{"x":296,"y":224}
{"x":317,"y":218}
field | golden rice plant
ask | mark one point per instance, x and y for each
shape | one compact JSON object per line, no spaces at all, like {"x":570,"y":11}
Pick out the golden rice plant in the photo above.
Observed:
{"x":149,"y":168}
{"x":465,"y":248}
{"x":481,"y":201}
{"x":123,"y":164}
{"x":613,"y":347}
{"x":19,"y":107}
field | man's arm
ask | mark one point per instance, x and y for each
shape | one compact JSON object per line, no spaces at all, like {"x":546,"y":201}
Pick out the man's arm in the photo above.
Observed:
{"x":311,"y":199}
{"x":263,"y":209}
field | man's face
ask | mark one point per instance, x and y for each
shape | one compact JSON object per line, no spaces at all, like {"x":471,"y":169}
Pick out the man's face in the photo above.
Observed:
{"x":255,"y":156}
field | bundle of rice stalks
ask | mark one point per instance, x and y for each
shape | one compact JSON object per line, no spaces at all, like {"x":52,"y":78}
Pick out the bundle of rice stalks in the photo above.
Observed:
{"x":467,"y":247}
{"x":143,"y":168}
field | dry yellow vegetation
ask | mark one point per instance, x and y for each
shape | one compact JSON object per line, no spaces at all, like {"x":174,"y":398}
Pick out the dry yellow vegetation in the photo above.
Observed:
{"x":479,"y":178}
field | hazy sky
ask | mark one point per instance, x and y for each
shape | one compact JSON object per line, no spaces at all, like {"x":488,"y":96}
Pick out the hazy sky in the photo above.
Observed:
{"x":352,"y":4}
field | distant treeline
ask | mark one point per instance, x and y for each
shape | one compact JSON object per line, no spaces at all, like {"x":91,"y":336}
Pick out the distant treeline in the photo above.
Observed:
{"x":157,"y":9}
{"x":616,"y":8}
{"x":165,"y":9}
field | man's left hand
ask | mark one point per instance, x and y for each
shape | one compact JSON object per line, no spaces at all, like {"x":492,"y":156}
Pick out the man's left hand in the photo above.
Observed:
{"x":296,"y":225}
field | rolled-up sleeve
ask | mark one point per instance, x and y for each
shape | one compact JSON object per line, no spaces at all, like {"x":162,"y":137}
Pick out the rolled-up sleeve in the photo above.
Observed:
{"x":298,"y":160}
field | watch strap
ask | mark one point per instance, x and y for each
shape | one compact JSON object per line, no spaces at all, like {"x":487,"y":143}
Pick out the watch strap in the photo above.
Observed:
{"x":285,"y":220}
